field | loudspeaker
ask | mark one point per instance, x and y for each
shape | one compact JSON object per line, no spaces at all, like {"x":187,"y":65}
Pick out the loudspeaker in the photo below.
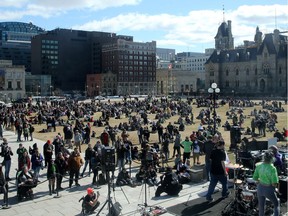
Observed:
{"x":235,"y":136}
{"x":283,"y":189}
{"x":108,"y":159}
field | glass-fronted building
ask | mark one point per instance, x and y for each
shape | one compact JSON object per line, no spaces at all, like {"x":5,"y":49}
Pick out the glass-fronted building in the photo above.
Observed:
{"x":15,"y":42}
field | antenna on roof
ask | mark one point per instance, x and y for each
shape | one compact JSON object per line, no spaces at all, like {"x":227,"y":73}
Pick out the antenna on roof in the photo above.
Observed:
{"x":223,"y":13}
{"x":275,"y":18}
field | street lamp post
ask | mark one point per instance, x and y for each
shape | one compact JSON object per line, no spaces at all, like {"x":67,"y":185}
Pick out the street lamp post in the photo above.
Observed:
{"x":39,"y":90}
{"x":214,"y":91}
{"x":51,"y":87}
{"x":86,"y":91}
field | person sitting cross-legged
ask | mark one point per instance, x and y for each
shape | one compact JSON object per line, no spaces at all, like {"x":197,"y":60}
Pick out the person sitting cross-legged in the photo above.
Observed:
{"x":91,"y":201}
{"x":124,"y":178}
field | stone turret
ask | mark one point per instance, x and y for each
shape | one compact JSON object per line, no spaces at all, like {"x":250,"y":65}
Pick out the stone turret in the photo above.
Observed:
{"x":258,"y":37}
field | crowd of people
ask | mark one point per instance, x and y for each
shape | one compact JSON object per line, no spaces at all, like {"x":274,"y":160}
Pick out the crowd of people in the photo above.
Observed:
{"x":61,"y":155}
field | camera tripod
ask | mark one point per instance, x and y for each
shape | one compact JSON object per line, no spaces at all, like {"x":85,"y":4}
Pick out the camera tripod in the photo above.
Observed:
{"x":111,"y":210}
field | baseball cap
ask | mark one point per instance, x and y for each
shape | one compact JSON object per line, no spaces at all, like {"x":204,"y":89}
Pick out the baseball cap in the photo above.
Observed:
{"x":90,"y":190}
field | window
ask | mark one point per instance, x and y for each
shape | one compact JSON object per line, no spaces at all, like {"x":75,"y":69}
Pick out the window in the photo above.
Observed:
{"x":255,"y":71}
{"x":211,"y":72}
{"x":227,"y":72}
{"x":237,"y":72}
{"x":280,"y":83}
{"x":280,"y":70}
{"x":9,"y":84}
{"x":227,"y":83}
{"x":247,"y":72}
{"x":18,"y":85}
{"x":266,"y":69}
{"x":237,"y":83}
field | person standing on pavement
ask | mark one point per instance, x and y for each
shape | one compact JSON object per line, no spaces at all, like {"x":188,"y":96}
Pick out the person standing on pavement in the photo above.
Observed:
{"x":267,"y":177}
{"x":187,"y":145}
{"x":208,"y":147}
{"x":61,"y":166}
{"x":48,"y":152}
{"x":6,"y":153}
{"x":51,"y":176}
{"x":20,"y":151}
{"x":36,"y":160}
{"x":74,"y":164}
{"x":218,"y":171}
{"x":87,"y":158}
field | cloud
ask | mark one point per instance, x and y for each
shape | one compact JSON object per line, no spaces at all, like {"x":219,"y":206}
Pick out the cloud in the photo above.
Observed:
{"x":50,"y":8}
{"x":195,"y":27}
{"x":13,"y":3}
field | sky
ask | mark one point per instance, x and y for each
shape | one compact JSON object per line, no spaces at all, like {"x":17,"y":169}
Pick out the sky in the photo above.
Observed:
{"x":183,"y":25}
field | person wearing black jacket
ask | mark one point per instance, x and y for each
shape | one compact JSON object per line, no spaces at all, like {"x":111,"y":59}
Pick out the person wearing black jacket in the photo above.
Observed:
{"x":88,"y":156}
{"x":208,"y":147}
{"x":57,"y":144}
{"x":6,"y":153}
{"x":61,"y":166}
{"x":218,"y":171}
{"x":48,"y":152}
{"x":169,"y":184}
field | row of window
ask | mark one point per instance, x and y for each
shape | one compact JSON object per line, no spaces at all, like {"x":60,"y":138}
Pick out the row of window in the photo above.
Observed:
{"x":49,"y":46}
{"x":135,"y":73}
{"x":197,"y":60}
{"x":136,"y":57}
{"x":247,"y":83}
{"x":140,"y":68}
{"x":49,"y":57}
{"x":126,"y":46}
{"x":266,"y":70}
{"x":49,"y":42}
{"x":133,"y":63}
{"x":50,"y":52}
{"x":142,"y":79}
{"x":10,"y":86}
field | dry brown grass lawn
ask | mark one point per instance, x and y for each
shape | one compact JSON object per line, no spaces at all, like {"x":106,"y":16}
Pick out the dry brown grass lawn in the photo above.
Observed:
{"x":282,"y":122}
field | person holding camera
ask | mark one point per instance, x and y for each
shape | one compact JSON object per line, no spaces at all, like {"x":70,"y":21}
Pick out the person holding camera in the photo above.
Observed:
{"x":6,"y":153}
{"x":91,"y":202}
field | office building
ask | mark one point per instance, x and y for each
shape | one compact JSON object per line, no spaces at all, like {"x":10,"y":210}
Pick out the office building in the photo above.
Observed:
{"x":15,"y":42}
{"x":134,"y":63}
{"x":69,"y":55}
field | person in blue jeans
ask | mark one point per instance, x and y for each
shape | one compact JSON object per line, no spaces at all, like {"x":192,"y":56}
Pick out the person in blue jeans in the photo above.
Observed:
{"x":218,"y":171}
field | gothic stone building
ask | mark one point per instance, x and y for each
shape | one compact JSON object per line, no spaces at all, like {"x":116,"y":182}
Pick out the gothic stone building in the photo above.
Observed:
{"x":257,"y":68}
